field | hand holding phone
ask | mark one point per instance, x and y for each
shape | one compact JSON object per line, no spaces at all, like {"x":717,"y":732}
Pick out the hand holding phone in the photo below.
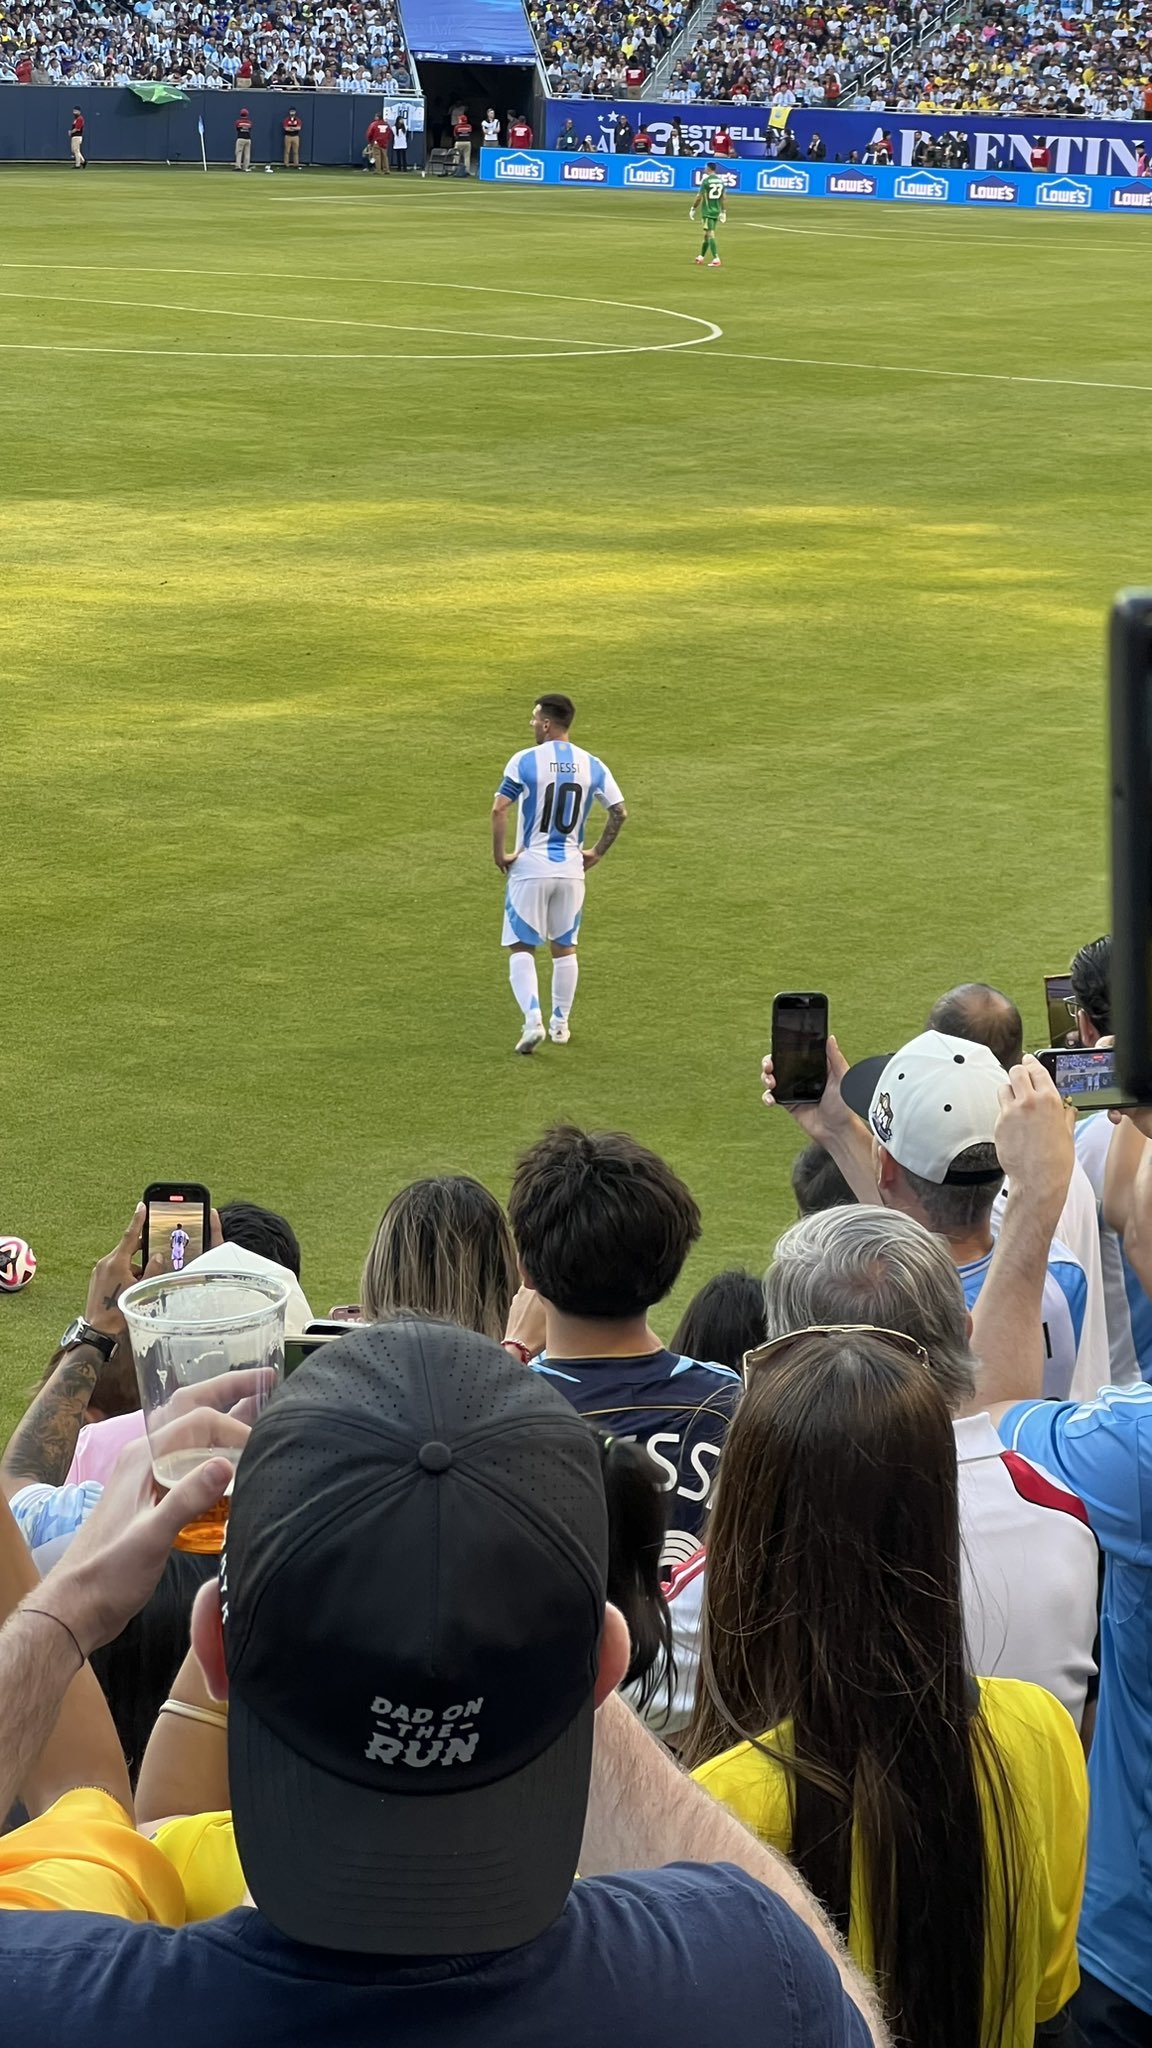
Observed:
{"x":177,"y":1223}
{"x":799,"y":1047}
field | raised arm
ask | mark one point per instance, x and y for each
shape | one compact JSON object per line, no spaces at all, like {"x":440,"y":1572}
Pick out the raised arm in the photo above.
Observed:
{"x":43,"y":1443}
{"x":1128,"y":1190}
{"x":644,"y":1811}
{"x":832,"y":1124}
{"x":1035,"y":1148}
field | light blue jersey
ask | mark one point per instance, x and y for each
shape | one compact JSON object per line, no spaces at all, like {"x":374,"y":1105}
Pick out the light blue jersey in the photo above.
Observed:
{"x":1065,"y":1300}
{"x":1126,"y":1306}
{"x":1102,"y":1449}
{"x":555,"y":786}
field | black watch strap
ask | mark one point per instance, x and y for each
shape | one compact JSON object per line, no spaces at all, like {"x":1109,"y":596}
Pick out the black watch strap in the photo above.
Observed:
{"x":81,"y":1332}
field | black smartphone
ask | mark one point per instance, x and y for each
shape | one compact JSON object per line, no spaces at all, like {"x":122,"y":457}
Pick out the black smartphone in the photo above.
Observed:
{"x":1130,"y":691}
{"x":1061,"y":1009}
{"x":1085,"y":1076}
{"x":177,"y":1222}
{"x":297,"y":1349}
{"x":800,"y":1046}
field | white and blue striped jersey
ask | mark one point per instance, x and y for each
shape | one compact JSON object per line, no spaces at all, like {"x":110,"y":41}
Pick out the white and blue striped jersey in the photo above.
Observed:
{"x":555,"y":786}
{"x":1127,"y":1307}
{"x":1065,"y":1299}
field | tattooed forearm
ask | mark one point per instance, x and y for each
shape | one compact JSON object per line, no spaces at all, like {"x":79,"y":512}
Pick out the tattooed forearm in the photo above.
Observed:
{"x":611,"y":832}
{"x":43,"y":1444}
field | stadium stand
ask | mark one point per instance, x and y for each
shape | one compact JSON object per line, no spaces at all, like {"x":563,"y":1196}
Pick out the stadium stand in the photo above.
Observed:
{"x":1043,"y":58}
{"x":604,"y":47}
{"x":188,"y":43}
{"x":798,"y":54}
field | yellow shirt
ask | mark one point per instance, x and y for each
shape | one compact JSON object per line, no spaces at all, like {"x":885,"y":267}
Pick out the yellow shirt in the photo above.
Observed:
{"x":1044,"y":1762}
{"x":85,"y":1856}
{"x":202,"y":1851}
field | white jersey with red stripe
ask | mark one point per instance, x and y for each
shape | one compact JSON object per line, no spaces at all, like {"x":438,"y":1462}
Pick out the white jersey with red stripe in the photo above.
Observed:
{"x":1030,"y":1569}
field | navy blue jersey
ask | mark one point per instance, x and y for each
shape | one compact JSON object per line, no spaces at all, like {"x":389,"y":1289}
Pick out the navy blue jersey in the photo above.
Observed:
{"x":678,"y":1407}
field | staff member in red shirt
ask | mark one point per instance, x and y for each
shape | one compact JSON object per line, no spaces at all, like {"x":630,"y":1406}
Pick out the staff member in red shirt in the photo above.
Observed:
{"x":519,"y":133}
{"x":462,"y":137}
{"x":76,"y":139}
{"x":379,"y":136}
{"x":722,"y":143}
{"x":1040,"y":159}
{"x":291,"y":124}
{"x":242,"y":158}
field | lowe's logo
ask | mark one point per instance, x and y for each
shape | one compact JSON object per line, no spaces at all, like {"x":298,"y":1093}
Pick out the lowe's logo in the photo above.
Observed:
{"x":729,"y":178}
{"x":852,"y":184}
{"x":648,"y":174}
{"x":1063,"y":192}
{"x":583,"y":174}
{"x":993,"y":191}
{"x":918,"y":185}
{"x":778,"y":180}
{"x":1132,"y":195}
{"x":528,"y":168}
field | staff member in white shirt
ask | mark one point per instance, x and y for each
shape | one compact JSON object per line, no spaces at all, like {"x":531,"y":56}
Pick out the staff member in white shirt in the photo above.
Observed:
{"x":490,"y":128}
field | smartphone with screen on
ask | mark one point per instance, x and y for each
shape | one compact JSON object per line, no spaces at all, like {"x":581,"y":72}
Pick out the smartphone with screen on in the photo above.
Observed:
{"x":177,"y":1222}
{"x":1061,"y":1009}
{"x":1085,"y":1076}
{"x":800,"y":1046}
{"x":297,"y":1349}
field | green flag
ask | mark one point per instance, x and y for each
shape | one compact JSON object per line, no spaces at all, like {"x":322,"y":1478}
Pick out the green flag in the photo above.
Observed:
{"x":158,"y":95}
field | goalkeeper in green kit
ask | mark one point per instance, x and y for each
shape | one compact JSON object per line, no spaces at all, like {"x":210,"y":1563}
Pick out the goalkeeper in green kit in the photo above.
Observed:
{"x":710,"y":200}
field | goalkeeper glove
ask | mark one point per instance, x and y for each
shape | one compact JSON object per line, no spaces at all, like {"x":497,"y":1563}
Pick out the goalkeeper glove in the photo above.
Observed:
{"x":723,"y":219}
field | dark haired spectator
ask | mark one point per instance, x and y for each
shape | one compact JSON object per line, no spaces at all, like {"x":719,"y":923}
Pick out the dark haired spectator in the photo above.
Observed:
{"x":637,"y":1518}
{"x":443,"y":1250}
{"x":723,"y":1320}
{"x":1106,"y":1154}
{"x":262,"y":1231}
{"x":464,"y":1541}
{"x":818,"y":1183}
{"x":602,"y":1229}
{"x":942,"y":1820}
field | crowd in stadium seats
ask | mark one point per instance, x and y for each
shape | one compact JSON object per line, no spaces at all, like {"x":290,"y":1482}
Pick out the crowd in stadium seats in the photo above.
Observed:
{"x":795,"y":54}
{"x":1039,"y":58}
{"x":353,"y":47}
{"x":604,"y":49}
{"x":868,"y":1543}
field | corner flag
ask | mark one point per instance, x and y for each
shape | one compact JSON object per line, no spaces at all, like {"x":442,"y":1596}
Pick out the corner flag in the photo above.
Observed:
{"x":203,"y":155}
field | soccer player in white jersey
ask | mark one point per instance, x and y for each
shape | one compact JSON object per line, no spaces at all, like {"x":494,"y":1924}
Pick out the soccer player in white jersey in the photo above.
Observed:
{"x":555,"y":785}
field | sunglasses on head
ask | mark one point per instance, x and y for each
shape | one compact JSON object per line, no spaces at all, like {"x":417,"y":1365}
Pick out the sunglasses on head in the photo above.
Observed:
{"x":776,"y":1346}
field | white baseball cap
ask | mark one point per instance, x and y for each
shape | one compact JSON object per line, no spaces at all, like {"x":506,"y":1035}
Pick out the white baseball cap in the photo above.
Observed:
{"x":929,"y":1102}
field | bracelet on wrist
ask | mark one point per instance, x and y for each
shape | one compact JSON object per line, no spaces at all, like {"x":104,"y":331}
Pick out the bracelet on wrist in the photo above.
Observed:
{"x":212,"y":1717}
{"x":46,"y":1614}
{"x":521,"y":1350}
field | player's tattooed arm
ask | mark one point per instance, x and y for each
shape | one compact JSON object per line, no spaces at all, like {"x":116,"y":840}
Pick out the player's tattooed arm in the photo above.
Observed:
{"x":613,"y":825}
{"x":43,"y":1444}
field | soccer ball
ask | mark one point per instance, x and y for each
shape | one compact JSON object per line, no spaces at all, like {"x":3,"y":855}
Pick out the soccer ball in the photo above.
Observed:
{"x":17,"y":1264}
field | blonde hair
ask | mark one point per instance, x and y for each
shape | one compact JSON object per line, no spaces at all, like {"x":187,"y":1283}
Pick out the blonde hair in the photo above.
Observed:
{"x":442,"y":1249}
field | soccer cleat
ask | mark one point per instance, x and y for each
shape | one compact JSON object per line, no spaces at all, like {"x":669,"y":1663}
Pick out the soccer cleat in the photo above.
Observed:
{"x":532,"y":1034}
{"x":558,"y":1030}
{"x":715,"y":263}
{"x":699,"y":259}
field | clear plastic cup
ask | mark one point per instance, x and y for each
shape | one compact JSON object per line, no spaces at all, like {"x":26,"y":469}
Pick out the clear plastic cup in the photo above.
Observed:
{"x":209,"y":1353}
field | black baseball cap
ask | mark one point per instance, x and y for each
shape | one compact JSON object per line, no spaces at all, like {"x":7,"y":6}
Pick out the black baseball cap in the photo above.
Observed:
{"x":413,"y":1590}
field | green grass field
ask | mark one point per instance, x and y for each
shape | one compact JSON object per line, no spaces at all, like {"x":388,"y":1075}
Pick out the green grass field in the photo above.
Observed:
{"x":311,"y":484}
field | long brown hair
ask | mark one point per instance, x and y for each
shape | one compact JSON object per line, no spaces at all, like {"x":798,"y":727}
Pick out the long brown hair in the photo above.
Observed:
{"x":833,"y":1604}
{"x":442,"y":1249}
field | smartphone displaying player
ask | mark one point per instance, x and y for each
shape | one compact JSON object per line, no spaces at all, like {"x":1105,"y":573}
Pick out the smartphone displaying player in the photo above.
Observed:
{"x":799,"y":1046}
{"x":297,"y":1349}
{"x":177,"y":1222}
{"x":1061,"y":1008}
{"x":1085,"y":1076}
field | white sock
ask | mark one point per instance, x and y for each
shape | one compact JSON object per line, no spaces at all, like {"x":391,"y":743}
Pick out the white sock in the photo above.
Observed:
{"x":565,"y":975}
{"x":525,"y":987}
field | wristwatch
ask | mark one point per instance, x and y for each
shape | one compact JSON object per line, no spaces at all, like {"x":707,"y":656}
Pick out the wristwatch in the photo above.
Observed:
{"x":81,"y":1332}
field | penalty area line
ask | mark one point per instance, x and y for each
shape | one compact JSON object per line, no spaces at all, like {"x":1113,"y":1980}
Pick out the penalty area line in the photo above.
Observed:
{"x":919,"y":370}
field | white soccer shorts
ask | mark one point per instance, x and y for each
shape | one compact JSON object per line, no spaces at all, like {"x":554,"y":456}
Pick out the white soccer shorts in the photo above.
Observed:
{"x":539,"y":908}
